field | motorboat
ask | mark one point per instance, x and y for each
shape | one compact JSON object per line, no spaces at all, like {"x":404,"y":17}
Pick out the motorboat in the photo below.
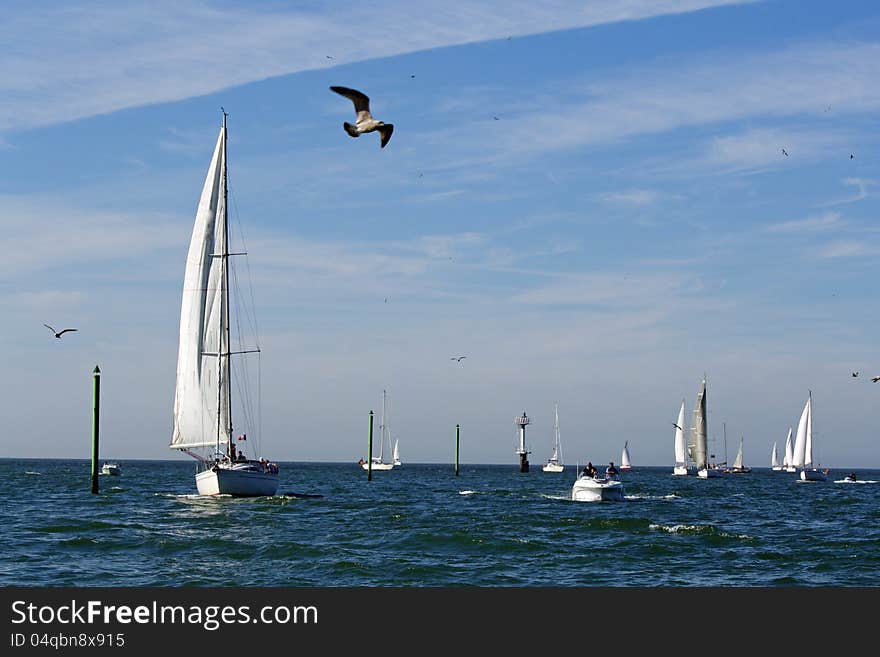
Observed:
{"x":111,"y":469}
{"x":597,"y":489}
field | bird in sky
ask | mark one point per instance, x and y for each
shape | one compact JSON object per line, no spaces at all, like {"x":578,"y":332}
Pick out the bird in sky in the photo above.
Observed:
{"x":59,"y":333}
{"x":364,"y":121}
{"x":875,"y":379}
{"x":855,"y":374}
{"x":677,"y":427}
{"x":851,"y":156}
{"x":460,"y":358}
{"x":784,"y":153}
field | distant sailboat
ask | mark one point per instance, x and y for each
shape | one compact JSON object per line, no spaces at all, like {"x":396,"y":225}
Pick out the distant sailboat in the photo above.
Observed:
{"x":697,"y":446}
{"x":681,"y":465}
{"x":395,"y":457}
{"x":378,"y":462}
{"x":738,"y":467}
{"x":774,"y":460}
{"x":788,"y":459}
{"x":803,"y":445}
{"x":624,"y":458}
{"x":554,"y":463}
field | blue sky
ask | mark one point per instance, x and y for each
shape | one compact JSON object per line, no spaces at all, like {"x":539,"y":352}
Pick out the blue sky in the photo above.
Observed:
{"x":626,"y":223}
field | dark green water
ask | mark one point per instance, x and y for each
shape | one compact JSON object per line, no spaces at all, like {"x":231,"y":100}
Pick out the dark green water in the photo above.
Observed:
{"x":419,"y":525}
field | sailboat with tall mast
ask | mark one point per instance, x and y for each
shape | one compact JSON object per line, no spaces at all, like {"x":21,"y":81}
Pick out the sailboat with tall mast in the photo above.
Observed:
{"x":554,"y":463}
{"x":379,"y":462}
{"x":738,"y":467}
{"x":803,"y":445}
{"x":679,"y":445}
{"x":625,"y":462}
{"x":774,"y":460}
{"x":203,"y":396}
{"x":788,"y":456}
{"x":697,"y":445}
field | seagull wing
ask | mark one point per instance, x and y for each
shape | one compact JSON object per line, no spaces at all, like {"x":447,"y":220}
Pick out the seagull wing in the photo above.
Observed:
{"x":65,"y":331}
{"x":361,"y":101}
{"x":875,"y":379}
{"x":385,"y":131}
{"x":677,"y":427}
{"x":49,"y":327}
{"x":462,"y":358}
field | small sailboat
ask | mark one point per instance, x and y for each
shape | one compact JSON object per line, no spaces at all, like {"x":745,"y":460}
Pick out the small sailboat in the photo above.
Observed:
{"x":679,"y":446}
{"x":395,"y":455}
{"x":203,"y":399}
{"x":698,"y":444}
{"x":111,"y":469}
{"x":379,"y":462}
{"x":738,"y":467}
{"x":788,"y":458}
{"x":625,"y":463}
{"x":774,"y":460}
{"x":803,"y":446}
{"x":554,"y":463}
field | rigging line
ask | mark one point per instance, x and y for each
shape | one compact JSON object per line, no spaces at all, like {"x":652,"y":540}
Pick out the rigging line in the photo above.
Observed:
{"x":248,"y":265}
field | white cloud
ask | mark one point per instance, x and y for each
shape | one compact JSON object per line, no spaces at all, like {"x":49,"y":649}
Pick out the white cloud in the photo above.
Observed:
{"x":861,"y":184}
{"x":827,"y":221}
{"x":848,"y":249}
{"x":66,"y":62}
{"x":638,"y":197}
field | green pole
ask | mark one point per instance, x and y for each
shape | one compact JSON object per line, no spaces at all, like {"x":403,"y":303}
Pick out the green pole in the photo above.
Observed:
{"x":457,"y":429}
{"x":370,"y":451}
{"x":96,"y":411}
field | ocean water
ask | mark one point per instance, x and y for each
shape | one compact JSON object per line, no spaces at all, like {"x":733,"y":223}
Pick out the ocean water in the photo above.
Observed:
{"x":419,"y":525}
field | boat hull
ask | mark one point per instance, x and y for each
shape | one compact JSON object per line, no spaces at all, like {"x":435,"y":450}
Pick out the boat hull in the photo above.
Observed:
{"x":680,"y":470}
{"x":108,"y":469}
{"x":240,"y":483}
{"x":710,"y":473}
{"x":377,"y":466}
{"x":587,"y":489}
{"x":553,"y":467}
{"x":813,"y":475}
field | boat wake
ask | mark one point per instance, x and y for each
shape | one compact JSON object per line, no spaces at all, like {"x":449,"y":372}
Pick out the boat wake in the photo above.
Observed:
{"x":467,"y":492}
{"x":671,"y":496}
{"x":33,"y":473}
{"x":857,"y":481}
{"x":567,"y":498}
{"x":697,"y":530}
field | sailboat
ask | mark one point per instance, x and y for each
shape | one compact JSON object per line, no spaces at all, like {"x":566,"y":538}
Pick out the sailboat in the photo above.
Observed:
{"x":738,"y":467}
{"x":697,"y":446}
{"x":774,"y":460}
{"x":788,"y":458}
{"x":803,"y":445}
{"x":203,"y":395}
{"x":554,"y":463}
{"x":624,"y":457}
{"x":379,"y":462}
{"x":681,"y":465}
{"x":395,"y":456}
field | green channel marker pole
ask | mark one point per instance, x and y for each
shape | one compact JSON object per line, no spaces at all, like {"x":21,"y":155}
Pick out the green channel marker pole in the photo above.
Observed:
{"x":457,"y":429}
{"x":96,"y":412}
{"x":370,"y":451}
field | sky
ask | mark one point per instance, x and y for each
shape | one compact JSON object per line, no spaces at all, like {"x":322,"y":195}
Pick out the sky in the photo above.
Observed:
{"x":590,"y":200}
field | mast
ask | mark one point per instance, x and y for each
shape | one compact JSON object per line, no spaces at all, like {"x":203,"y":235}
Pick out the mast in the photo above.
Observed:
{"x":556,"y":455}
{"x":223,"y":316}
{"x":382,"y":429}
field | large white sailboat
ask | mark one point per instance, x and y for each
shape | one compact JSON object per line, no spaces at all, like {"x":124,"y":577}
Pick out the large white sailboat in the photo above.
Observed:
{"x":788,"y":457}
{"x":679,"y":445}
{"x":203,"y":395}
{"x":774,"y":460}
{"x":554,"y":463}
{"x":803,"y":445}
{"x":625,"y":463}
{"x":379,"y":462}
{"x":697,"y":446}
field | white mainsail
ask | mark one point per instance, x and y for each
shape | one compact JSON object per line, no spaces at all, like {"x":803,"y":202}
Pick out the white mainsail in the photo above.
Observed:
{"x":774,"y":458}
{"x":680,"y":448}
{"x":624,"y":457}
{"x":803,"y":439}
{"x":788,"y":458}
{"x":738,"y":461}
{"x":557,"y":447}
{"x":201,"y":400}
{"x":697,"y":445}
{"x":396,"y":454}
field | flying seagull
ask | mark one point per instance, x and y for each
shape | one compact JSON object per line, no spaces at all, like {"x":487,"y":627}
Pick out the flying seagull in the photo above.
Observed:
{"x":784,"y":153}
{"x":58,"y":333}
{"x":855,"y":374}
{"x":677,"y":427}
{"x":459,"y":358}
{"x":875,"y":379}
{"x":851,"y":156}
{"x":365,"y":121}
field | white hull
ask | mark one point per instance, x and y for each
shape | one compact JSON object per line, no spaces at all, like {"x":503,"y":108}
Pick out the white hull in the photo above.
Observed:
{"x":377,"y":466}
{"x":680,"y":470}
{"x":626,"y":467}
{"x":588,"y":489}
{"x":789,"y":468}
{"x":813,"y":475}
{"x":777,"y":468}
{"x":710,"y":473}
{"x":553,"y":467}
{"x":239,"y":482}
{"x":110,"y":469}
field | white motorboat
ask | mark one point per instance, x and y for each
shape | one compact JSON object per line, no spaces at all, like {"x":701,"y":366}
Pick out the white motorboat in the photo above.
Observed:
{"x":203,"y":400}
{"x":111,"y":469}
{"x":554,"y":463}
{"x":597,"y":489}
